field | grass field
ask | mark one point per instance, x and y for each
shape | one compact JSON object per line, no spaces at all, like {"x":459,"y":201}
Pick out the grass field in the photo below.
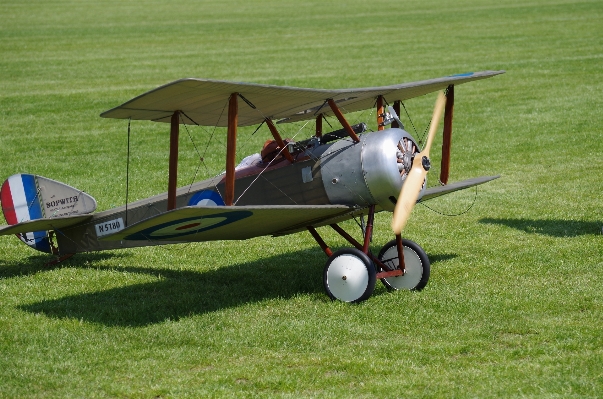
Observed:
{"x":515,"y":301}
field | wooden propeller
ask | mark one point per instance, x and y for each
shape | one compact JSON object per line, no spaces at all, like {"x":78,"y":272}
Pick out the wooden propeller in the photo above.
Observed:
{"x":416,"y":176}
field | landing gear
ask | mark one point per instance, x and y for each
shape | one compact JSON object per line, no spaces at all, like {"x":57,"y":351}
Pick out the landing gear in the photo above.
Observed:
{"x":416,"y":266}
{"x":349,"y":276}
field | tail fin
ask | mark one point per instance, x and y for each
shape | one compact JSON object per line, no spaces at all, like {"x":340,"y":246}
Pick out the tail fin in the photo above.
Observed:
{"x":28,"y":197}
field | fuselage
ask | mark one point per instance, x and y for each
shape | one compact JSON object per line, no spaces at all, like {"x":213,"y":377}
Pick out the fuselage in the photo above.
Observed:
{"x":369,"y":172}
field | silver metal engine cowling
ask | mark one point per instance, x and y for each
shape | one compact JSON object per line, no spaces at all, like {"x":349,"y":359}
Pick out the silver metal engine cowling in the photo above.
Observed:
{"x":386,"y":159}
{"x":342,"y":173}
{"x":369,"y":172}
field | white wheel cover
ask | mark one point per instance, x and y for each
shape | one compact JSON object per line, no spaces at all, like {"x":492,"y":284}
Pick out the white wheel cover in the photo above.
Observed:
{"x":413,"y":265}
{"x":347,"y":277}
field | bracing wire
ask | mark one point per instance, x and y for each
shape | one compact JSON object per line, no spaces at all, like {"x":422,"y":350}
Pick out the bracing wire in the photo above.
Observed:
{"x":201,"y":156}
{"x":413,"y":125}
{"x":264,"y":117}
{"x":251,"y":105}
{"x":267,"y":166}
{"x":454,"y":214}
{"x":194,"y":145}
{"x":213,"y":132}
{"x":128,"y":171}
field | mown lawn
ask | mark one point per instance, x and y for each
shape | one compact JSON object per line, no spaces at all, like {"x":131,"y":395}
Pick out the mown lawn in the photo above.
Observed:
{"x":514,"y":304}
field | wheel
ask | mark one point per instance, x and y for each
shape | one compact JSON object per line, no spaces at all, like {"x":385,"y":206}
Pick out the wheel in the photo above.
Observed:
{"x":349,"y":276}
{"x":416,"y":264}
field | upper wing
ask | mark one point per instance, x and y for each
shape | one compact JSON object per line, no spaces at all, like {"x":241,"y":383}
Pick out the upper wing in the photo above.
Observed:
{"x":197,"y":223}
{"x":449,"y":188}
{"x":43,"y":224}
{"x":203,"y":101}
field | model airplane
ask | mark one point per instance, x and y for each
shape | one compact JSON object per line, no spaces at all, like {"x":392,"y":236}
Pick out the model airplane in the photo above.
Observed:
{"x":289,"y":187}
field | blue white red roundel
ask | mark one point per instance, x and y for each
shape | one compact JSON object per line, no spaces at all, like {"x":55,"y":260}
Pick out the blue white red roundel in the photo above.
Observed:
{"x":206,"y":198}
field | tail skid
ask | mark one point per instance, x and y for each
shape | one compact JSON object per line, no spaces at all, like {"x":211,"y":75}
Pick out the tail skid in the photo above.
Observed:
{"x":28,"y":197}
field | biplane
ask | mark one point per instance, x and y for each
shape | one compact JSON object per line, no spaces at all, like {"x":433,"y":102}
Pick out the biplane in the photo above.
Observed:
{"x":288,"y":187}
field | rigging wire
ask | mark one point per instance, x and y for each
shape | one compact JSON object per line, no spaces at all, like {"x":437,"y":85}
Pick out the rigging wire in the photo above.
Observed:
{"x":455,"y":214}
{"x":202,"y":156}
{"x":422,"y":139}
{"x":128,"y":171}
{"x":264,"y":118}
{"x":213,"y":133}
{"x":258,"y":128}
{"x":321,"y":107}
{"x":267,"y":166}
{"x":251,"y":105}
{"x":194,"y":145}
{"x":187,"y":131}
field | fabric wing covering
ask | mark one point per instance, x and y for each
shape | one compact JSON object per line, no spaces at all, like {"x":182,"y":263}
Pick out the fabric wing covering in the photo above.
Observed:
{"x":200,"y":223}
{"x":204,"y":102}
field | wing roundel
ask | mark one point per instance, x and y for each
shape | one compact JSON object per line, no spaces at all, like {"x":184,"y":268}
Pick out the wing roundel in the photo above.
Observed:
{"x":208,"y":223}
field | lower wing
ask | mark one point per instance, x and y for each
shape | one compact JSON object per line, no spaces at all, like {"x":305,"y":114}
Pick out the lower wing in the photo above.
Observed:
{"x":434,"y":192}
{"x":196,"y":223}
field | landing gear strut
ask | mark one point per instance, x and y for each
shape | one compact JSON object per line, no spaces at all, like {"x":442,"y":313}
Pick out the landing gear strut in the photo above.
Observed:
{"x":350,"y":273}
{"x":416,"y":266}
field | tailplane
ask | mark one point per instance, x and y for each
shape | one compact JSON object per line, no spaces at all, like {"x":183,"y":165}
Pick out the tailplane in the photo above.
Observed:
{"x":27,"y":197}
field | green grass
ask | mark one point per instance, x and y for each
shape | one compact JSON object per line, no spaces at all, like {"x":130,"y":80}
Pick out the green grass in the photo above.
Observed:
{"x":514,"y":304}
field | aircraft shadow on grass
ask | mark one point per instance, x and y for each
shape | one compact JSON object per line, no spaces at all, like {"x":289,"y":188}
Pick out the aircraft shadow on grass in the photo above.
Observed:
{"x":181,"y":294}
{"x":39,"y":263}
{"x":554,"y":227}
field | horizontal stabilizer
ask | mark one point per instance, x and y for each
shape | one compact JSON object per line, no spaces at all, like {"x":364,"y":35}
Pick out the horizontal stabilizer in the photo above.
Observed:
{"x":207,"y":223}
{"x":434,"y":192}
{"x":43,"y":224}
{"x":28,"y":197}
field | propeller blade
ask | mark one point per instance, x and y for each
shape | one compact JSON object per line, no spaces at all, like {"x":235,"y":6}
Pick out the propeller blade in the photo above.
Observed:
{"x":420,"y":166}
{"x":408,"y":195}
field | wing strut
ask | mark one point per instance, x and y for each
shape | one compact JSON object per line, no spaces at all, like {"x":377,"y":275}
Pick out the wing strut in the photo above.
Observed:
{"x":397,"y":109}
{"x":380,"y":113}
{"x":231,"y":148}
{"x":173,"y":165}
{"x":323,"y":245}
{"x":447,"y":135}
{"x":279,"y":140}
{"x":342,"y":120}
{"x":319,"y":125}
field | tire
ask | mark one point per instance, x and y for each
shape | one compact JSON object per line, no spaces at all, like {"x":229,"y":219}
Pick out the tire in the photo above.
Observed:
{"x":349,"y":276}
{"x":416,"y":263}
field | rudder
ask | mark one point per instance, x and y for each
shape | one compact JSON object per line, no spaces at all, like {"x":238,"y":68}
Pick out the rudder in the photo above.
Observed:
{"x":28,"y":197}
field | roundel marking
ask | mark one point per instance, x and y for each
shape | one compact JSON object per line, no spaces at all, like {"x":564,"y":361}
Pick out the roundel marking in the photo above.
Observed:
{"x":206,"y":198}
{"x":186,"y":226}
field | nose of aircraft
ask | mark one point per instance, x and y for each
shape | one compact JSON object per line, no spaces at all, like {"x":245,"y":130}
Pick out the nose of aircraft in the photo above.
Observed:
{"x":416,"y":176}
